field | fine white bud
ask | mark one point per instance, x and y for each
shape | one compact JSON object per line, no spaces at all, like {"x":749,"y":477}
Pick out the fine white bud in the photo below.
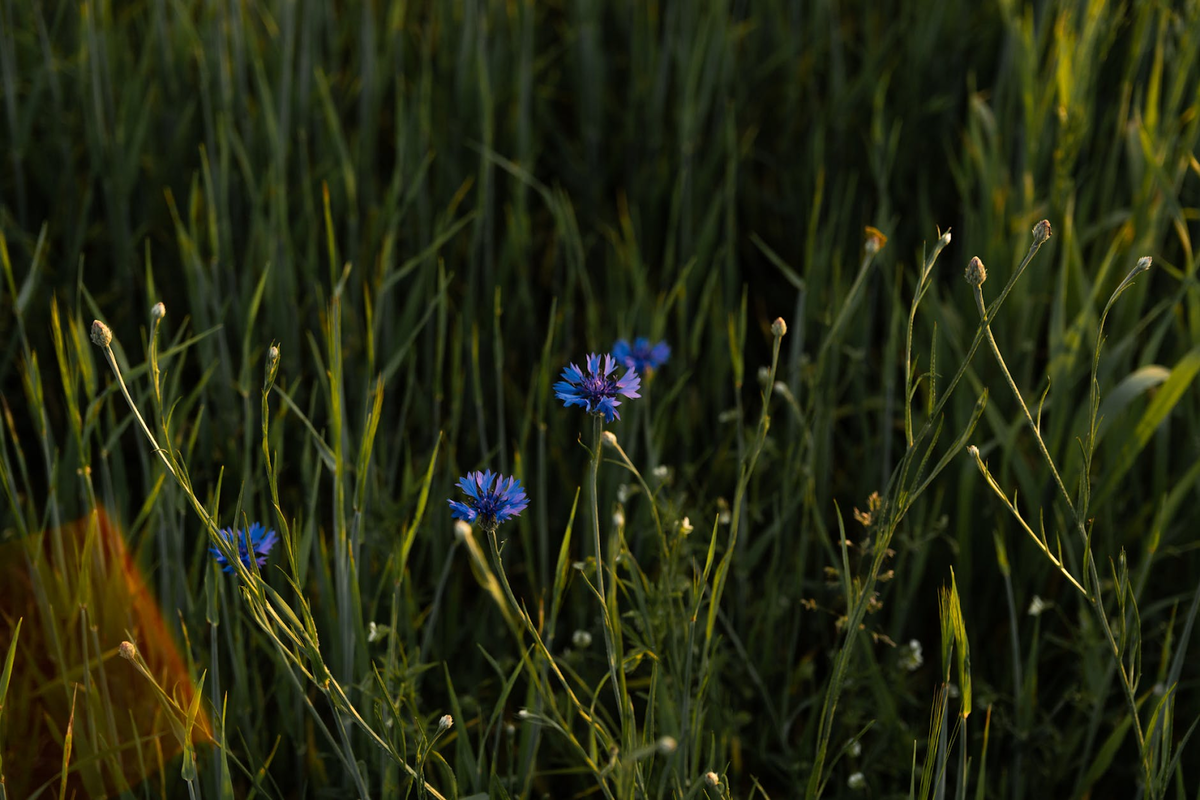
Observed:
{"x":445,"y":723}
{"x":778,"y":328}
{"x":667,"y":745}
{"x":462,"y":531}
{"x":712,"y":779}
{"x":127,"y":650}
{"x":609,"y":438}
{"x":685,"y":526}
{"x":857,"y":781}
{"x":158,"y":311}
{"x":581,"y":639}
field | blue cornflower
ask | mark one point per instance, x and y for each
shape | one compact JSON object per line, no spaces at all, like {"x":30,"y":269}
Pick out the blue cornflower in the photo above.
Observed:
{"x":257,"y":539}
{"x":642,"y":356}
{"x":491,"y":499}
{"x":596,"y":390}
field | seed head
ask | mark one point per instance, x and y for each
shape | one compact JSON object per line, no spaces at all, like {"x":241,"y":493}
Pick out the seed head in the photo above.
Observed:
{"x":712,"y":779}
{"x":779,"y":328}
{"x":127,"y":650}
{"x":158,"y":311}
{"x":101,"y":335}
{"x":975,"y":273}
{"x":1041,"y":231}
{"x":445,"y":723}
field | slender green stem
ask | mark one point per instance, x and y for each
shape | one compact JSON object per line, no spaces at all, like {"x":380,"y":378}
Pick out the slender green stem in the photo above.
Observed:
{"x":594,"y":475}
{"x":1090,"y":563}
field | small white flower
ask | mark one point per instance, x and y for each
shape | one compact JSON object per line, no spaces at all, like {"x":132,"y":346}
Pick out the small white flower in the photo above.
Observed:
{"x":623,"y":493}
{"x":609,"y":438}
{"x":667,"y":745}
{"x":662,"y":472}
{"x":372,"y":632}
{"x":912,"y":656}
{"x":712,"y":779}
{"x":952,"y":691}
{"x":581,"y":639}
{"x":855,"y":749}
{"x":1037,"y":605}
{"x":857,"y":781}
{"x":764,"y":375}
{"x":619,"y":517}
{"x":445,"y":723}
{"x":524,"y":714}
{"x":685,"y":526}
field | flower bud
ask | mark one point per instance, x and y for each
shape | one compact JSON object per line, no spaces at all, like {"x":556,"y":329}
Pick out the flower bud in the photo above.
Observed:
{"x":609,"y":438}
{"x":581,"y":639}
{"x":712,"y":779}
{"x":778,"y":328}
{"x":1144,"y":263}
{"x":975,"y":273}
{"x":445,"y":723}
{"x":945,"y":239}
{"x":857,"y":781}
{"x":685,"y":526}
{"x":157,"y":312}
{"x":667,"y":745}
{"x":127,"y":651}
{"x":101,"y":335}
{"x":462,"y":530}
{"x":1041,"y":231}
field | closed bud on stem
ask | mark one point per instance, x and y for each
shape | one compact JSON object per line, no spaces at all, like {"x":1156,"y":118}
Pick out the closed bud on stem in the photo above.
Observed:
{"x":945,"y":239}
{"x":101,"y":335}
{"x":778,"y":328}
{"x":1041,"y":231}
{"x":127,"y":651}
{"x":445,"y":723}
{"x":609,"y":438}
{"x":712,"y":779}
{"x":1144,"y":263}
{"x":975,"y":273}
{"x":157,"y":312}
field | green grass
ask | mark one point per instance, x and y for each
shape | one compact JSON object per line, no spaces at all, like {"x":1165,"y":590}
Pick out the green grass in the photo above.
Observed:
{"x":430,"y":208}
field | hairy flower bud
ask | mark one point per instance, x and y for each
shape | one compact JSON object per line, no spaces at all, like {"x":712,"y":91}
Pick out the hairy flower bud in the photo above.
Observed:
{"x":1144,"y":263}
{"x":712,"y":779}
{"x":127,"y":651}
{"x":778,"y":328}
{"x":445,"y":723}
{"x":158,"y":311}
{"x":975,"y":273}
{"x":101,"y":335}
{"x":1041,"y":231}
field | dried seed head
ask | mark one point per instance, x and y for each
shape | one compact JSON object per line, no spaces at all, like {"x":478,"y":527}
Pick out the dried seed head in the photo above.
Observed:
{"x":778,"y":328}
{"x":127,"y":651}
{"x":712,"y":779}
{"x":445,"y":723}
{"x":1041,"y":231}
{"x":158,"y":311}
{"x":975,"y":273}
{"x":101,"y":335}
